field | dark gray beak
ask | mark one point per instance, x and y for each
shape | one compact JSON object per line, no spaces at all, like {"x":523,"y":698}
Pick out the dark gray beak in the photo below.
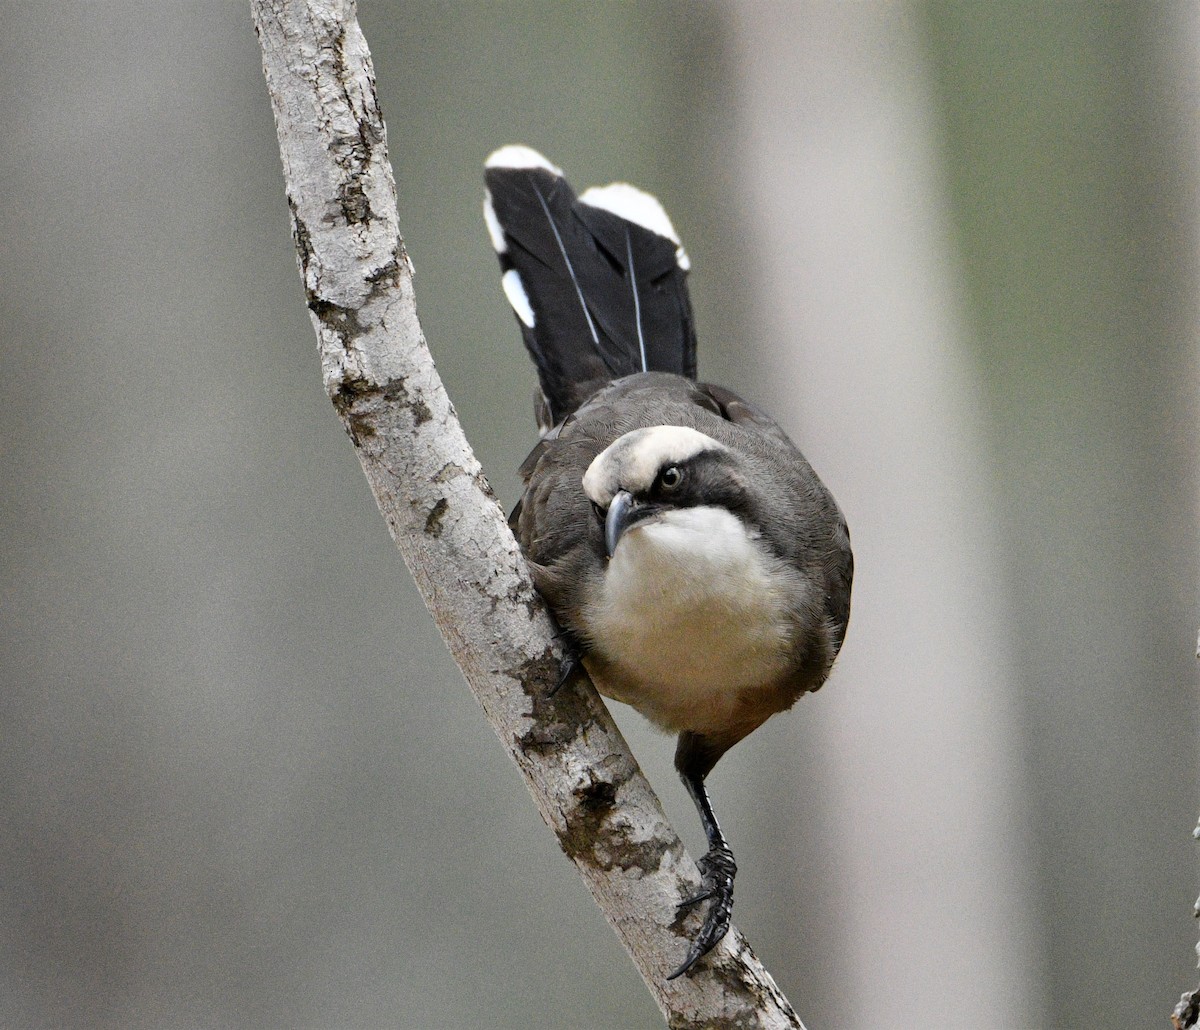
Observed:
{"x":623,"y":513}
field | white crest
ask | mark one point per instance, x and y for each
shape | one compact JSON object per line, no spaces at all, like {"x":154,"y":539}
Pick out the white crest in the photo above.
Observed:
{"x":632,"y":461}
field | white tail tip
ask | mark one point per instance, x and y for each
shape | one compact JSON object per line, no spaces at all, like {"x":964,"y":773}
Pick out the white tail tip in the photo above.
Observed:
{"x":516,"y":155}
{"x":637,"y":206}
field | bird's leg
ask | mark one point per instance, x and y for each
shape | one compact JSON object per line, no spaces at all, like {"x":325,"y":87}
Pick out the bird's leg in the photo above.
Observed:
{"x":694,"y":760}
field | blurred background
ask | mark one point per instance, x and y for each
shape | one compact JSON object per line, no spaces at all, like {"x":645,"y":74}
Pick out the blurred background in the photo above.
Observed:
{"x":952,"y":246}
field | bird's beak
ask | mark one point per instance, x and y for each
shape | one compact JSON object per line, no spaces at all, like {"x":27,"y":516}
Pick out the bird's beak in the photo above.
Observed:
{"x":623,"y":513}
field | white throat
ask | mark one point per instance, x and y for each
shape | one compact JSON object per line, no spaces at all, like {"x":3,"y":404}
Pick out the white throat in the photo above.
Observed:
{"x":693,"y":609}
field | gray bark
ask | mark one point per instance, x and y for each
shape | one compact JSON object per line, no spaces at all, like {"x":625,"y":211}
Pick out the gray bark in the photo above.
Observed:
{"x":449,"y":528}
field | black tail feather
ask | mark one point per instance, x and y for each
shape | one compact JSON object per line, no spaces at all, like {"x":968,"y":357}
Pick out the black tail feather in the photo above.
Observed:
{"x":598,"y":295}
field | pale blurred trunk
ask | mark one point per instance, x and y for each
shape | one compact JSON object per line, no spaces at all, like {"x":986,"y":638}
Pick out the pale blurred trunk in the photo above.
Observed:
{"x":859,"y":333}
{"x":1070,"y":136}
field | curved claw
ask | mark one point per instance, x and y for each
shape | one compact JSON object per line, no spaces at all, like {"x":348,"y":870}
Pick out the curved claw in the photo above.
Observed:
{"x":719,"y":870}
{"x":695,"y":899}
{"x":571,"y":664}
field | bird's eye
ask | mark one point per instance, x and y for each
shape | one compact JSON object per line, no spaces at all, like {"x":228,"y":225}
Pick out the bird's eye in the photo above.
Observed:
{"x":670,"y":477}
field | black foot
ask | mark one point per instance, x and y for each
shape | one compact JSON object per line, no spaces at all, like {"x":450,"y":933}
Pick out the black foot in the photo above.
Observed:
{"x":719,"y":869}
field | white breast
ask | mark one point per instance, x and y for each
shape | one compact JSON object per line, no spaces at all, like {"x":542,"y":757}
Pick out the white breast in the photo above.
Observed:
{"x":693,"y":610}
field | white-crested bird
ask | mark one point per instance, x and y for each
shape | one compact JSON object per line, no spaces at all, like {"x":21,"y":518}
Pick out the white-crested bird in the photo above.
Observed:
{"x":696,"y":565}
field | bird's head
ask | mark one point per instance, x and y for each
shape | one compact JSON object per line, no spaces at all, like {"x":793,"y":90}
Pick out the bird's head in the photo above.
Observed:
{"x":647,"y":473}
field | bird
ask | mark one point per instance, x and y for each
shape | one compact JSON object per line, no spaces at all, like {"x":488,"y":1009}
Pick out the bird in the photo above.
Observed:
{"x":696,"y":566}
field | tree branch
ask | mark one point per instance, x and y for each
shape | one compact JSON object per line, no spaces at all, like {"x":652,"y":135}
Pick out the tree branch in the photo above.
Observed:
{"x":450,"y":529}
